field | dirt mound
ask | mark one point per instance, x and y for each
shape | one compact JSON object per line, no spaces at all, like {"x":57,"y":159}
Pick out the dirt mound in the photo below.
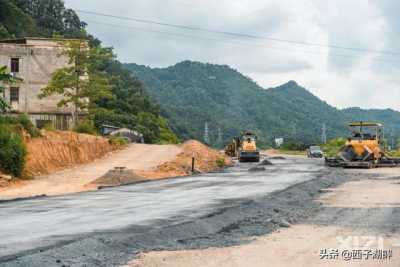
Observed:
{"x":56,"y":150}
{"x":206,"y":160}
{"x":277,"y":157}
{"x":265,"y":162}
{"x":118,"y":176}
{"x":5,"y":180}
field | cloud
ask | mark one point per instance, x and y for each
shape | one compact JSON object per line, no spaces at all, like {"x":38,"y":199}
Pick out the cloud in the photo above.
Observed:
{"x":342,"y":77}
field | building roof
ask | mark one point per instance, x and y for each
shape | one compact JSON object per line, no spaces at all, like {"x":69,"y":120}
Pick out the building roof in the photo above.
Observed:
{"x":36,"y":41}
{"x":25,"y":39}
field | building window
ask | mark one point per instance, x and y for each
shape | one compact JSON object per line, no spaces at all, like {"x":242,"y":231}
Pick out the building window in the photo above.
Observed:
{"x":15,"y":65}
{"x":14,"y":94}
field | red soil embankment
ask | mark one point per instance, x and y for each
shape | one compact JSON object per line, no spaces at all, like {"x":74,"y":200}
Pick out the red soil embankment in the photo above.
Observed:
{"x":85,"y":165}
{"x":58,"y":150}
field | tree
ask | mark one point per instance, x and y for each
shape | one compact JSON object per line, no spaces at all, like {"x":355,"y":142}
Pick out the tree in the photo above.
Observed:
{"x":81,"y":83}
{"x":5,"y":78}
{"x":14,"y":22}
{"x":51,"y":17}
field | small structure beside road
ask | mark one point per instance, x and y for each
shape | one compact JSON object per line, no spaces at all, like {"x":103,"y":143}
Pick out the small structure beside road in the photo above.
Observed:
{"x":129,"y":135}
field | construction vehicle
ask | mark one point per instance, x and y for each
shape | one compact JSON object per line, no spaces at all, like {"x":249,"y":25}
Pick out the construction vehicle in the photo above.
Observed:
{"x":363,"y":148}
{"x":244,"y":147}
{"x":232,"y":148}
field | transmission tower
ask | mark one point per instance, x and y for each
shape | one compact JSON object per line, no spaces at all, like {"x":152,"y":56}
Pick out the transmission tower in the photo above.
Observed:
{"x":206,"y":134}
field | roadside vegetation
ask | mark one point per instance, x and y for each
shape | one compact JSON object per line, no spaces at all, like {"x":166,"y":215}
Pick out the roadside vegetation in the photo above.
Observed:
{"x":220,"y":162}
{"x":333,"y":146}
{"x":293,"y":148}
{"x":13,"y":149}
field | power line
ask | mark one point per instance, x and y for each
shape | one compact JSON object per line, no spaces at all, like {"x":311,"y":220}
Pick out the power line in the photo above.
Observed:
{"x":192,"y":28}
{"x":234,"y":42}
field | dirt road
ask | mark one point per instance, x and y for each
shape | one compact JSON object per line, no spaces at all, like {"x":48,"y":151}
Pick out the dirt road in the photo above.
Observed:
{"x":72,"y":180}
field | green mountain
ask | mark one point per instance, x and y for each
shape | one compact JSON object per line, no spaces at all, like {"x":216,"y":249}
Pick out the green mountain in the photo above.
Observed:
{"x":192,"y":93}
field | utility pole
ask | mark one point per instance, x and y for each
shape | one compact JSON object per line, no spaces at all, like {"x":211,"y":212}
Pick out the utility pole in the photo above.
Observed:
{"x":323,"y":136}
{"x":206,"y":134}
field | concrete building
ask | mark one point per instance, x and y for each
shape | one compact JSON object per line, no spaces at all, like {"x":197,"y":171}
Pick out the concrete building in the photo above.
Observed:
{"x":34,"y":60}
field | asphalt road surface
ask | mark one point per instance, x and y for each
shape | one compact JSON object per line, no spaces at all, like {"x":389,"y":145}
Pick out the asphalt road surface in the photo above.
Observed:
{"x":33,"y":229}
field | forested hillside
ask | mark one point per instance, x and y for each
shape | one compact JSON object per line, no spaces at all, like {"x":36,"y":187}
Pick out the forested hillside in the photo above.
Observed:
{"x":192,"y":93}
{"x":129,"y":106}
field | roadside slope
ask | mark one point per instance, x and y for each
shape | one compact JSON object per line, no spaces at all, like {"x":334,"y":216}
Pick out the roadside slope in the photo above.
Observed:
{"x":138,"y":162}
{"x":75,"y":179}
{"x":56,"y":150}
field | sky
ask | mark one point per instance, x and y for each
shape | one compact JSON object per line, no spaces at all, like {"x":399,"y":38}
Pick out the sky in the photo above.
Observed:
{"x":346,"y":52}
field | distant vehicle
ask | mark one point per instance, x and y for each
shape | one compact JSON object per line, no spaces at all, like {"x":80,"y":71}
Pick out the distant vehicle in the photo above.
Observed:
{"x":314,"y":152}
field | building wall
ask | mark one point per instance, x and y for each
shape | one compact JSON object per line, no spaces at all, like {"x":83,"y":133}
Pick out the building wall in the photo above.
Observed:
{"x":38,"y":60}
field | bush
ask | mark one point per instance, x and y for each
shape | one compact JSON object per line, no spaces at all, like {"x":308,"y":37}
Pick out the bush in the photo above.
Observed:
{"x":393,"y":153}
{"x":294,"y":146}
{"x":86,"y":127}
{"x":220,"y":162}
{"x":333,"y":147}
{"x":12,"y":152}
{"x":119,"y":141}
{"x":48,"y":127}
{"x":22,"y":120}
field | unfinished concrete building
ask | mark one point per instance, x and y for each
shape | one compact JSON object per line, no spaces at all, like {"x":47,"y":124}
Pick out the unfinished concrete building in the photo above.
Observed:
{"x":34,"y":60}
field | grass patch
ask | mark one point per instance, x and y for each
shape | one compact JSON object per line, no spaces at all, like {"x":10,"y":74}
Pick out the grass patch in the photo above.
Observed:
{"x":332,"y":147}
{"x":86,"y":127}
{"x":118,"y":141}
{"x":220,"y":162}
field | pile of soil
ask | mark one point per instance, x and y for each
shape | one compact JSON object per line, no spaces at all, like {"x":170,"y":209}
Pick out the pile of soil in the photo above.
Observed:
{"x":265,"y":162}
{"x":5,"y":180}
{"x":56,"y":150}
{"x":118,"y":176}
{"x":206,"y":160}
